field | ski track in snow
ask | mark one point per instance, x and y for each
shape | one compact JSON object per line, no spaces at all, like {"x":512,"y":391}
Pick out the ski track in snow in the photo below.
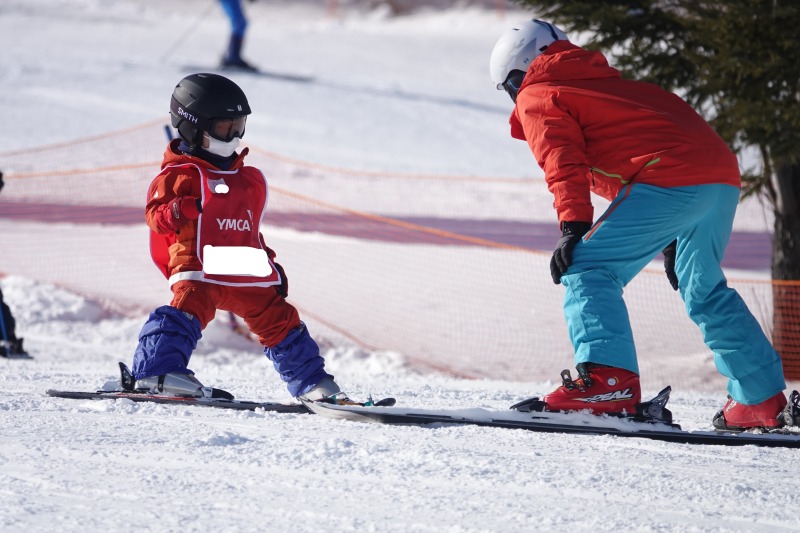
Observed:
{"x":89,"y":466}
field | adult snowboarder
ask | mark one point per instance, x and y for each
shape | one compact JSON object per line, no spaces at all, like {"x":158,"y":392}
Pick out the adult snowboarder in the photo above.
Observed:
{"x":204,"y":210}
{"x":672,"y":182}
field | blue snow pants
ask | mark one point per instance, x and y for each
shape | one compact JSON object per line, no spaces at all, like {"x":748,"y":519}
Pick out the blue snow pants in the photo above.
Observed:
{"x":233,"y":9}
{"x":166,"y":343}
{"x":298,"y":361}
{"x":169,"y":337}
{"x":638,"y":224}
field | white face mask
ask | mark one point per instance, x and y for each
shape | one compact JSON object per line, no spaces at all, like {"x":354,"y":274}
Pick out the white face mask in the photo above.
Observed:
{"x":221,"y":148}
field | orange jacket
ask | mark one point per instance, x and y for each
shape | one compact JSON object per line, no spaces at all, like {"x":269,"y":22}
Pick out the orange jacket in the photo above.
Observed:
{"x":173,"y":251}
{"x":590,"y":130}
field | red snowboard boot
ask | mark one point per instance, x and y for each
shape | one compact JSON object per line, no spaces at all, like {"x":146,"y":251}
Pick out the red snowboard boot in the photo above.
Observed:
{"x":602,"y":389}
{"x":737,"y":415}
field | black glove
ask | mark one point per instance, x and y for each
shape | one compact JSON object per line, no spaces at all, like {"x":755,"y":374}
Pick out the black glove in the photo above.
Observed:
{"x":669,"y":263}
{"x":1,"y":181}
{"x":283,"y":288}
{"x":562,"y":256}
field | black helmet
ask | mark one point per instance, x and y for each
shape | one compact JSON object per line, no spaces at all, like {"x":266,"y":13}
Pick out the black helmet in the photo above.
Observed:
{"x":199,"y":99}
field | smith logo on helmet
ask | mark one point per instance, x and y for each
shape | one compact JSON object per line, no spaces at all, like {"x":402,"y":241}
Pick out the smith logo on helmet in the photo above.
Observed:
{"x":187,"y":116}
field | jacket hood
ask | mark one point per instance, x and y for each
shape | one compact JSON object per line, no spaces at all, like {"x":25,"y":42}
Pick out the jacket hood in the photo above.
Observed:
{"x":564,"y":61}
{"x":174,"y":156}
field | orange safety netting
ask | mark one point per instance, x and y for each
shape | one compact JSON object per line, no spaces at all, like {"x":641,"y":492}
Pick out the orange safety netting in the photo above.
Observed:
{"x":412,"y":263}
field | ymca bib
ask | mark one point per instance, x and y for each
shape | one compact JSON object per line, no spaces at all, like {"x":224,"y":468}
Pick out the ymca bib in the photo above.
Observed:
{"x":228,"y":230}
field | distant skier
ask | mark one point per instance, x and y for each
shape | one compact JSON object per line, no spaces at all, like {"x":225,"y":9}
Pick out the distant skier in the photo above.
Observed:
{"x":672,"y":181}
{"x":204,"y":210}
{"x":10,"y":344}
{"x":232,"y":58}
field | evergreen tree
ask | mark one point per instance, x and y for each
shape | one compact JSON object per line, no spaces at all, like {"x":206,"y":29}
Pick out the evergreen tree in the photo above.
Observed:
{"x":738,"y":63}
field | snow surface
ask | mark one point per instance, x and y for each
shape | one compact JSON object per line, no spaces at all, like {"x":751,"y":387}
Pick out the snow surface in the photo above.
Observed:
{"x":408,"y":94}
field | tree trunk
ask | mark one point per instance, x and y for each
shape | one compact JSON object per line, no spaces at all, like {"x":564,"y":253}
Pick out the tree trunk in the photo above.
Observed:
{"x":786,"y":269}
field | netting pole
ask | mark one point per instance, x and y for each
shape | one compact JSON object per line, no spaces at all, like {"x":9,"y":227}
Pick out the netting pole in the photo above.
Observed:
{"x":785,"y":327}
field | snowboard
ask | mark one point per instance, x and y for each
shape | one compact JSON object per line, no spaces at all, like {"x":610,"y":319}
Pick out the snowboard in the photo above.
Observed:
{"x":221,"y":403}
{"x":634,"y":426}
{"x":125,"y":388}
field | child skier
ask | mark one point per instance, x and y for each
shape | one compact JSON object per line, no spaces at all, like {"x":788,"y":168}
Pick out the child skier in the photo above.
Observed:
{"x":673,"y":183}
{"x":204,"y":210}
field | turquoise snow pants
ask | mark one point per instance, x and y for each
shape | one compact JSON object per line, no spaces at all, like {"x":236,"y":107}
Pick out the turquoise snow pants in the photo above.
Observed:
{"x":638,"y":224}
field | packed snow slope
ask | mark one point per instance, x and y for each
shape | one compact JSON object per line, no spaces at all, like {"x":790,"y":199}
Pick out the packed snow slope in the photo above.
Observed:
{"x":406,"y":94}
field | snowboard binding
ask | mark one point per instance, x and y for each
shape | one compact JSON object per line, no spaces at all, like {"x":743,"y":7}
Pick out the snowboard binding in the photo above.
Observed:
{"x":791,"y":413}
{"x":166,"y":385}
{"x":340,"y":398}
{"x":653,"y":411}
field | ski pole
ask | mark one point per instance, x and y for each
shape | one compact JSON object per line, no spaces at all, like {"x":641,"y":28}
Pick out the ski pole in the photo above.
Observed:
{"x":189,"y":29}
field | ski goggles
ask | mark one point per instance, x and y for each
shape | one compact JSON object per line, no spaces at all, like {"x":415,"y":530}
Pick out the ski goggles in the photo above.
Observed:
{"x":227,"y":129}
{"x":513,"y":83}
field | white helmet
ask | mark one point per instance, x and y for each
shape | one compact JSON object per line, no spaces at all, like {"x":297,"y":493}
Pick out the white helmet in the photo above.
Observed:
{"x":519,"y":46}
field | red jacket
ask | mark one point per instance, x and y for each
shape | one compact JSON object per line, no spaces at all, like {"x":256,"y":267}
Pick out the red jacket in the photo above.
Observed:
{"x":590,"y":130}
